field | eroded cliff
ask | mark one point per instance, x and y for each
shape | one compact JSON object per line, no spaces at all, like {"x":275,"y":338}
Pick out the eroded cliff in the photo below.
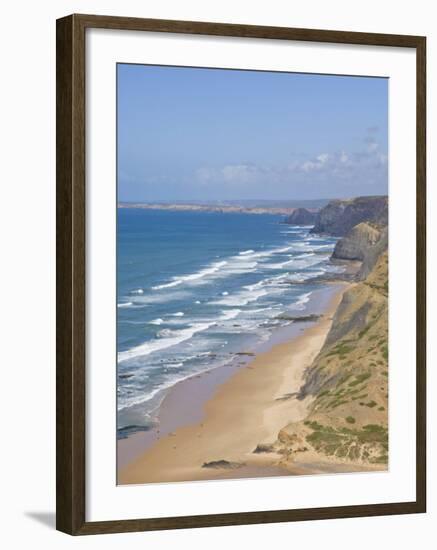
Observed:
{"x":301,"y":216}
{"x":348,"y":383}
{"x":340,"y":216}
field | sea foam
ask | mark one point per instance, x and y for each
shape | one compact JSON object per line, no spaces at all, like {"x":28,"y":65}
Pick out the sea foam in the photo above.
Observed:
{"x":174,"y":338}
{"x":178,"y":280}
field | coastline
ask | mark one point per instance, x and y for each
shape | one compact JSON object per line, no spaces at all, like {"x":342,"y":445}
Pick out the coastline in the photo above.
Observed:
{"x":220,"y":208}
{"x":227,"y":414}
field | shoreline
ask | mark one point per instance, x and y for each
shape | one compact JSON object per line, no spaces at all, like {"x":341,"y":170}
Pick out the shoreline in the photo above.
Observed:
{"x":221,"y":416}
{"x":174,"y":411}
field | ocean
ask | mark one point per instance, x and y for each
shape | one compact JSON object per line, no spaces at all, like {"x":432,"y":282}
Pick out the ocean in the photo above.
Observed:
{"x":195,"y":288}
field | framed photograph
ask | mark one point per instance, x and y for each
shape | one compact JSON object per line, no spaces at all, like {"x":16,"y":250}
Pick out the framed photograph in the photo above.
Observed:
{"x":240,"y":274}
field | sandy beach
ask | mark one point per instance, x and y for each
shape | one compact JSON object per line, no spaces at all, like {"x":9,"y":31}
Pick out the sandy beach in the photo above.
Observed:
{"x":246,"y":410}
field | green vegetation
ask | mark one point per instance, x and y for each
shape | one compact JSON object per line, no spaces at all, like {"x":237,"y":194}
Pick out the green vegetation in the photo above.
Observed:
{"x":364,"y":331}
{"x":343,"y":379}
{"x":350,"y":443}
{"x":349,"y":372}
{"x":363,"y":396}
{"x":314,"y":425}
{"x":341,"y":349}
{"x":360,"y":378}
{"x":336,"y":404}
{"x":373,"y":428}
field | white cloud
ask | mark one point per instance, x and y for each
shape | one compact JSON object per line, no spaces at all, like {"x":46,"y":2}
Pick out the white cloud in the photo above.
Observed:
{"x":343,"y":157}
{"x":241,"y":173}
{"x":323,"y":158}
{"x":368,"y":166}
{"x":316,"y":164}
{"x":230,"y":173}
{"x":309,"y":165}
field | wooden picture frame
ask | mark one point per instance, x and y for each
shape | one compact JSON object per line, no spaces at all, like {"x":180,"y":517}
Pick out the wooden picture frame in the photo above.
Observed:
{"x":71,"y":254}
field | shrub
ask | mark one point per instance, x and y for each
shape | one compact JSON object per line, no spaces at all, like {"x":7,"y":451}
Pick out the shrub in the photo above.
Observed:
{"x":360,"y":378}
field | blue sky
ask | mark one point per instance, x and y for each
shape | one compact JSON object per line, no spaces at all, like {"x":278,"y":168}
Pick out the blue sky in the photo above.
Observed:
{"x":216,"y":134}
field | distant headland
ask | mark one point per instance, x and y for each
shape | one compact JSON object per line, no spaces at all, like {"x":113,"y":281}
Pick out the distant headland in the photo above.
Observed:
{"x":285,"y":208}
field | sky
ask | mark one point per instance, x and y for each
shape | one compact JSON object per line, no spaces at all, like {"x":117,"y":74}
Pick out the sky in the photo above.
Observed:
{"x":218,"y":134}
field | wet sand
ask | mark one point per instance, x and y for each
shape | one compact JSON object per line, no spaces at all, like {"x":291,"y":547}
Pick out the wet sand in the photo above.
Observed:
{"x":243,"y":406}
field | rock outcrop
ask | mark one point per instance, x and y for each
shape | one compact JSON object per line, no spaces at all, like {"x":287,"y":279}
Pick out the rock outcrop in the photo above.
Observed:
{"x":357,"y":243}
{"x":339,"y":216}
{"x":364,"y":243}
{"x":301,"y":216}
{"x":372,"y":255}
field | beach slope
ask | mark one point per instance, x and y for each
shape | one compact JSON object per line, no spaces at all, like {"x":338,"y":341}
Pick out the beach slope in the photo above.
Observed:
{"x":242,"y":419}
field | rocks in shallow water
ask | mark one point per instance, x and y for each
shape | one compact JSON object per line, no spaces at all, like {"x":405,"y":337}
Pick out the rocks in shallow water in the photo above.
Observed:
{"x":287,"y":396}
{"x":264,"y":448}
{"x":299,"y":318}
{"x":223,"y":464}
{"x":248,"y":353}
{"x":126,"y":431}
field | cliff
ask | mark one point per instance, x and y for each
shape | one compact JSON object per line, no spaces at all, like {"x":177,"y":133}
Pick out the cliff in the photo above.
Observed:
{"x":372,"y":255}
{"x":357,"y":243}
{"x":340,"y":216}
{"x":348,"y":383}
{"x":364,"y":243}
{"x":301,"y":216}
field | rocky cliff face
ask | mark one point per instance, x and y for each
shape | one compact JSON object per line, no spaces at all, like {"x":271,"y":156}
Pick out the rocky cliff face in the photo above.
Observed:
{"x":364,"y":242}
{"x":357,"y":243}
{"x":372,"y":255}
{"x":301,"y":216}
{"x":340,"y":216}
{"x":348,"y":381}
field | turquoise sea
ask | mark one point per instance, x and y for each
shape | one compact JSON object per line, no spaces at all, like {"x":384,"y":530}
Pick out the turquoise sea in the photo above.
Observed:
{"x":194,"y":288}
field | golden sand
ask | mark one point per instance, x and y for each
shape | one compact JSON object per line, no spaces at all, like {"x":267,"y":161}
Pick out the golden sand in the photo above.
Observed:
{"x":248,"y":409}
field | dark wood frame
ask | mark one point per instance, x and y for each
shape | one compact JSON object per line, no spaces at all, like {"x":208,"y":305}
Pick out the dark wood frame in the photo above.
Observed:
{"x":70,"y":276}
